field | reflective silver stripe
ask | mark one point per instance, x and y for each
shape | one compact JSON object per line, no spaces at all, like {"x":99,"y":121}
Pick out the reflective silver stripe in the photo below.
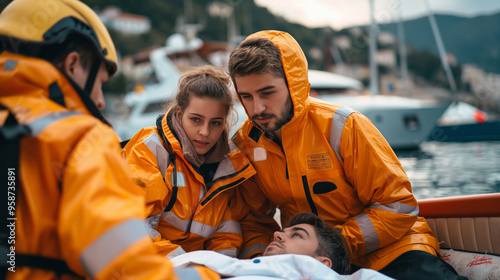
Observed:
{"x":229,"y":252}
{"x":187,"y":273}
{"x":38,"y":125}
{"x":198,"y":228}
{"x":111,"y":245}
{"x":177,"y":252}
{"x":181,"y":178}
{"x":202,"y":192}
{"x":368,"y":231}
{"x":397,"y":207}
{"x":154,"y":144}
{"x":202,"y":229}
{"x":175,"y":221}
{"x":252,"y":249}
{"x":230,"y":227}
{"x":338,"y":123}
{"x":208,"y":231}
{"x":225,"y":167}
{"x":151,"y":223}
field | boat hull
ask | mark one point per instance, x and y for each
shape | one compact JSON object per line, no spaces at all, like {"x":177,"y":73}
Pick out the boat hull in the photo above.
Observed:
{"x":471,"y":132}
{"x":405,"y":128}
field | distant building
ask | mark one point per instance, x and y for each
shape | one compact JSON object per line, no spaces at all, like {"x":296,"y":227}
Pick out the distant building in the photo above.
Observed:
{"x":386,"y":38}
{"x":125,"y":23}
{"x":343,"y":42}
{"x":138,"y":67}
{"x":356,"y":71}
{"x":386,"y":57}
{"x":451,"y":59}
{"x":481,"y":83}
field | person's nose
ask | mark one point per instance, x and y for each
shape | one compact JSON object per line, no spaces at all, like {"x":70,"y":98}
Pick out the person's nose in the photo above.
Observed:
{"x":101,"y":104}
{"x":258,"y":106}
{"x":205,"y":130}
{"x":97,"y":97}
{"x":279,"y":236}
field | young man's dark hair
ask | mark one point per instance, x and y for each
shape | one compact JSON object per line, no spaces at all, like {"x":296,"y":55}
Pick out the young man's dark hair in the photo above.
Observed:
{"x":258,"y":55}
{"x":56,"y":53}
{"x":331,"y":244}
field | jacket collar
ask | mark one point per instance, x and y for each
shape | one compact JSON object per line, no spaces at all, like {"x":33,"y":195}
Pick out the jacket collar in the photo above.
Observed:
{"x":33,"y":78}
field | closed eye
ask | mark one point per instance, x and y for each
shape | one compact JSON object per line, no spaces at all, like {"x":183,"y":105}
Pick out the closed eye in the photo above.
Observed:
{"x":245,"y":96}
{"x":267,"y":93}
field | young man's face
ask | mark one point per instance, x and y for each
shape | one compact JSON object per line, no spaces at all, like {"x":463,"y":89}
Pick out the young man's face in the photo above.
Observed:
{"x":266,"y":99}
{"x":300,"y":239}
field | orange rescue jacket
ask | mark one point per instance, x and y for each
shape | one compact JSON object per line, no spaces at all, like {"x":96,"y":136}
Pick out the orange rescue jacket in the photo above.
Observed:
{"x":333,"y":162}
{"x":186,"y":217}
{"x":74,"y":201}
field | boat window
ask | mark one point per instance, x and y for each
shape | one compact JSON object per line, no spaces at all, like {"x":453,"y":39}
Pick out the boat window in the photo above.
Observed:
{"x":411,"y":122}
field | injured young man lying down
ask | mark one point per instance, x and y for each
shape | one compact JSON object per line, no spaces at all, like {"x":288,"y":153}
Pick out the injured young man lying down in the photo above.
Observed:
{"x":305,"y":249}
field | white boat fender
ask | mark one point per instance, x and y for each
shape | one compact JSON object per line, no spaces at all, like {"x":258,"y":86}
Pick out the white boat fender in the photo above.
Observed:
{"x":473,"y":265}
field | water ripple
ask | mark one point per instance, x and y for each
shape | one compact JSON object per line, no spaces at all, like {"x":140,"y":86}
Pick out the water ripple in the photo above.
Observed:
{"x":452,"y":169}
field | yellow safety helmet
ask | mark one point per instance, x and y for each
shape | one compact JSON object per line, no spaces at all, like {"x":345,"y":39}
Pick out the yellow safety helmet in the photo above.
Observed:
{"x":51,"y":21}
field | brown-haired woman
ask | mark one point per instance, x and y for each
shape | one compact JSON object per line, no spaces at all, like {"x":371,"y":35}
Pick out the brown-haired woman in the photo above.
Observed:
{"x":189,"y":169}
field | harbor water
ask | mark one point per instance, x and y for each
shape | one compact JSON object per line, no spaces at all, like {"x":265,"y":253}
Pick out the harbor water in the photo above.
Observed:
{"x":441,"y":169}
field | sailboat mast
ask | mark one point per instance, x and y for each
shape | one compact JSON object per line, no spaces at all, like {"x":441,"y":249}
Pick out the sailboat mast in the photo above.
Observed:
{"x":373,"y":52}
{"x":442,"y":53}
{"x":402,"y":51}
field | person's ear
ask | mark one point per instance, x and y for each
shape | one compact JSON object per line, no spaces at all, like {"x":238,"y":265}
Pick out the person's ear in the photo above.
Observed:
{"x":178,"y":113}
{"x":324,"y":260}
{"x":71,"y":62}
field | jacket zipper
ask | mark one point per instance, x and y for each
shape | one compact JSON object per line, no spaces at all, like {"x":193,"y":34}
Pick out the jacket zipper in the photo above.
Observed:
{"x":308,"y":195}
{"x":224,"y":187}
{"x":282,"y":150}
{"x":221,"y":189}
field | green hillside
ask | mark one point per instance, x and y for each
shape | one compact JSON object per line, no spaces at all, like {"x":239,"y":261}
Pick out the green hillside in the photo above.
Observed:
{"x":472,"y":40}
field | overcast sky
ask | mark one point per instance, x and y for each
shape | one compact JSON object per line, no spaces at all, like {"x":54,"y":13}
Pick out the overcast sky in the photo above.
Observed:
{"x":344,"y":13}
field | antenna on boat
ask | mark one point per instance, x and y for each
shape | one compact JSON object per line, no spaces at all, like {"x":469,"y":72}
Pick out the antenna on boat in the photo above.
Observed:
{"x":188,"y":10}
{"x":442,"y":52}
{"x":402,"y":50}
{"x":373,"y":52}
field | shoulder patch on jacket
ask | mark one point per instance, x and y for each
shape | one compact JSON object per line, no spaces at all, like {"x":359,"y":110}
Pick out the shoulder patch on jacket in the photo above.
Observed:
{"x":319,"y":161}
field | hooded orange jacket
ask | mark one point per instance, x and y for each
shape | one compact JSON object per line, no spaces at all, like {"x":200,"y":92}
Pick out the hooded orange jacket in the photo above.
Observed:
{"x":74,"y":200}
{"x":333,"y":162}
{"x":198,"y":219}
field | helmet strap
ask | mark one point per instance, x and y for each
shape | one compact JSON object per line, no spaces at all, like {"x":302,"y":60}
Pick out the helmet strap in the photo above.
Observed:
{"x":87,"y":101}
{"x":92,"y":75}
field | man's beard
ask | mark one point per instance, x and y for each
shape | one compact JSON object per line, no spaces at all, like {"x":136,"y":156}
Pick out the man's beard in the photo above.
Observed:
{"x":285,"y":117}
{"x":277,"y":251}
